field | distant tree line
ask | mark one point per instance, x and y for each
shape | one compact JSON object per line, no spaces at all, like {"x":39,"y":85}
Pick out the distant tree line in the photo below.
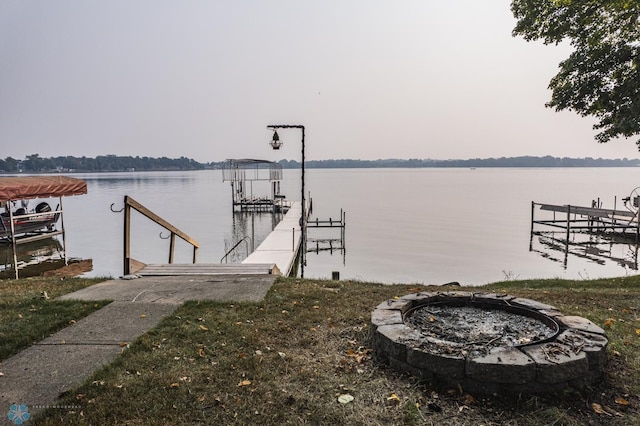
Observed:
{"x":526,"y":161}
{"x":107,"y":163}
{"x":112,"y":163}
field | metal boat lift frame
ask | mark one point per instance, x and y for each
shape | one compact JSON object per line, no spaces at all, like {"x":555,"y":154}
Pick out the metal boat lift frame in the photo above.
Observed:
{"x":241,"y":173}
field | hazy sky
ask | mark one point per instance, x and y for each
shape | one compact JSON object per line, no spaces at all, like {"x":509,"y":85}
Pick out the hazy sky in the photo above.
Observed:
{"x":203,"y":78}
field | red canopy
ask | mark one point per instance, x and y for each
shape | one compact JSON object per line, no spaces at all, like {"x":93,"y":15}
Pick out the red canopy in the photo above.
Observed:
{"x":25,"y":187}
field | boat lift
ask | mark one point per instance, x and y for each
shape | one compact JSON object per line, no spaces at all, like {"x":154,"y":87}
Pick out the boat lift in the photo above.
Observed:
{"x":25,"y":227}
{"x":243,"y":173}
{"x":556,"y":224}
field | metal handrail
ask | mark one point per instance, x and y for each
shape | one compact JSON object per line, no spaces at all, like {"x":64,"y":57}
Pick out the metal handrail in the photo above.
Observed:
{"x":234,"y":247}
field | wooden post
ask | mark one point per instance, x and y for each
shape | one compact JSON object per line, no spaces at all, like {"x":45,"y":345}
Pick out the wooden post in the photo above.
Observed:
{"x":568,"y":221}
{"x":172,"y":245}
{"x":127,"y":234}
{"x":533,"y":206}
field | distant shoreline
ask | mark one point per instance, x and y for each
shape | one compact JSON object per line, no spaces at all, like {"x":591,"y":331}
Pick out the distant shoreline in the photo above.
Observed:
{"x":112,"y":163}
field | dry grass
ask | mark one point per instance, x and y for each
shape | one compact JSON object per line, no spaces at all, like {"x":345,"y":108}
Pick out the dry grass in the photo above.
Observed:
{"x":288,"y":359}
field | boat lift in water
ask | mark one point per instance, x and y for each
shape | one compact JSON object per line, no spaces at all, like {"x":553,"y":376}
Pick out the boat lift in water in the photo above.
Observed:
{"x":21,"y":226}
{"x":242,"y":173}
{"x":561,"y":224}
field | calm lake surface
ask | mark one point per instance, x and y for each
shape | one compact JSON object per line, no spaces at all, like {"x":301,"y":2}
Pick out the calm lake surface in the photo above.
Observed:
{"x":427,"y":226}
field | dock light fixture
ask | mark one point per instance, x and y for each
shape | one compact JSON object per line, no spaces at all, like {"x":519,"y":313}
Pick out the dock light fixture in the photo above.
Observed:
{"x":276,"y":144}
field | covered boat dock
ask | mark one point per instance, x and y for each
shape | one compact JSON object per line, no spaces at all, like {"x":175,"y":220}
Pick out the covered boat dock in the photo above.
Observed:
{"x":20,"y":226}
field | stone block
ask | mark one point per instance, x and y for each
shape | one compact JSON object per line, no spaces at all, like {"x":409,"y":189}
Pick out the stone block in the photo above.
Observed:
{"x":504,"y":365}
{"x":386,"y":317}
{"x":401,"y":305}
{"x":580,"y":323}
{"x":532,"y":304}
{"x":443,"y":366}
{"x":391,"y":340}
{"x":556,"y":362}
{"x":592,"y":344}
{"x":410,"y":369}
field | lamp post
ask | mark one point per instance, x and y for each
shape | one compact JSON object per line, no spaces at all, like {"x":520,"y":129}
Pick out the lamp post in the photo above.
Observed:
{"x":276,"y":144}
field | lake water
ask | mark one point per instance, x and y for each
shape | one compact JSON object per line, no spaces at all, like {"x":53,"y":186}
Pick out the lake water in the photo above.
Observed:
{"x":427,"y":226}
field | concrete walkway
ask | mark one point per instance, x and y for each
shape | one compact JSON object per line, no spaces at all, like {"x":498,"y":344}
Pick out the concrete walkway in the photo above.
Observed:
{"x":39,"y":374}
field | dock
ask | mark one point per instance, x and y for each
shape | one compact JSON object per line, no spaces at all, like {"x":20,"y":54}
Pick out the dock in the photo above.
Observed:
{"x":586,"y":232}
{"x":593,"y":219}
{"x":282,"y":245}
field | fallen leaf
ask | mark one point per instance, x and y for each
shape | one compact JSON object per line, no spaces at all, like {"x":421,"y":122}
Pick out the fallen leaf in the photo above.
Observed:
{"x":201,"y":352}
{"x":469,"y":400}
{"x":638,"y":331}
{"x":316,"y":307}
{"x":175,"y":385}
{"x":345,"y":398}
{"x":203,"y":328}
{"x":393,"y":398}
{"x":282,"y":354}
{"x":621,"y":401}
{"x":244,"y":383}
{"x":609,"y":322}
{"x":143,"y":316}
{"x":123,"y":344}
{"x":597,"y":408}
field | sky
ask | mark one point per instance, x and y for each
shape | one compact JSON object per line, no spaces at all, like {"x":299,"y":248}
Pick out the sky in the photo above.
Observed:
{"x":369,"y":79}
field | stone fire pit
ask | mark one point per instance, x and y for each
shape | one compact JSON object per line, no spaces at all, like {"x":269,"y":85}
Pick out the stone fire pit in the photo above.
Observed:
{"x":488,"y":343}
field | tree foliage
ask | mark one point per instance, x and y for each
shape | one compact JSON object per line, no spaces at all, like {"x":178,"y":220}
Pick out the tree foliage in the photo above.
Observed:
{"x":601,"y":78}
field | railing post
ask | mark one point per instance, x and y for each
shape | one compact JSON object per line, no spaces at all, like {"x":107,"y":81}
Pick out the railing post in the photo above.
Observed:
{"x":172,"y":245}
{"x":127,"y":234}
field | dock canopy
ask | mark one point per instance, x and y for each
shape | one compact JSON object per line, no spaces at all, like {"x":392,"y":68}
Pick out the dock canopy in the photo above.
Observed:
{"x":27,"y":187}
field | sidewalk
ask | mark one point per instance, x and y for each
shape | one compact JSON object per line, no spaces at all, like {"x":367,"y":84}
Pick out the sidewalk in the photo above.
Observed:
{"x":57,"y":364}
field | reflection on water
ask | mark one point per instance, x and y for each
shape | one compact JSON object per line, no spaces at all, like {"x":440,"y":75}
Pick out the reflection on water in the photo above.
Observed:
{"x":594,"y":248}
{"x":35,"y":258}
{"x":248,"y":231}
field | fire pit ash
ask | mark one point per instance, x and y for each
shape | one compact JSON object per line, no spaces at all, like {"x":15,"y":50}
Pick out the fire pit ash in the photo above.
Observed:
{"x":488,"y":342}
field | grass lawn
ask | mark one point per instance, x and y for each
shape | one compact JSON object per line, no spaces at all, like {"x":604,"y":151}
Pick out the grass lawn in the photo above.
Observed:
{"x":28,"y":312}
{"x":288,"y":359}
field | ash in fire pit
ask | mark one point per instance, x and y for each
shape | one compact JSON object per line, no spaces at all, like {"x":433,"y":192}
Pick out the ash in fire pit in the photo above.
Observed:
{"x":469,"y":330}
{"x":488,"y":343}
